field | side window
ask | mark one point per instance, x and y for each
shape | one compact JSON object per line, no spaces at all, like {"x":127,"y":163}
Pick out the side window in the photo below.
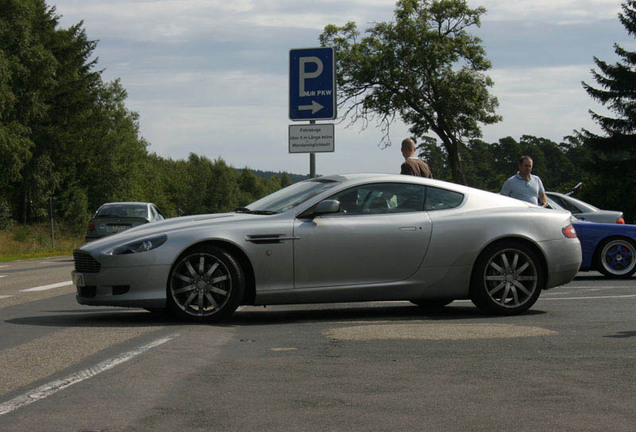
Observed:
{"x":155,"y":214}
{"x":381,"y":198}
{"x":441,"y":199}
{"x":159,"y":215}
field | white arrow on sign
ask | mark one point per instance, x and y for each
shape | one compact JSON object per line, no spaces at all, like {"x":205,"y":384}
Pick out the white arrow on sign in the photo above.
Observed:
{"x":314,"y":107}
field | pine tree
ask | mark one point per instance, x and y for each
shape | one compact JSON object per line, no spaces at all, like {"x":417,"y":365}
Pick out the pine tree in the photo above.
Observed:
{"x":615,"y":149}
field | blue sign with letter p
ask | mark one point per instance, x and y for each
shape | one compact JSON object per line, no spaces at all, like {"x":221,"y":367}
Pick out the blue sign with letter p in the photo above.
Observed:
{"x":312,"y":84}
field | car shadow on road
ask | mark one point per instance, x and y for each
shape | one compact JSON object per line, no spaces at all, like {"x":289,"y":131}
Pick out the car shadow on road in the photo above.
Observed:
{"x":252,"y":315}
{"x":99,"y":318}
{"x":398,"y":312}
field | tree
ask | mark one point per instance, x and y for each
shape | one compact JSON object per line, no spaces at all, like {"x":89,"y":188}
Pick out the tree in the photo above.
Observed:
{"x":615,"y":150}
{"x":424,"y":68}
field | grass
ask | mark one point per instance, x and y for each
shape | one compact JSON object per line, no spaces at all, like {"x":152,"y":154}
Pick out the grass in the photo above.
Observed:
{"x":34,"y":241}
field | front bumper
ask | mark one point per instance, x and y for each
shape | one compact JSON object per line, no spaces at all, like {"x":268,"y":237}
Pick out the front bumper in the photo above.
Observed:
{"x":143,"y":287}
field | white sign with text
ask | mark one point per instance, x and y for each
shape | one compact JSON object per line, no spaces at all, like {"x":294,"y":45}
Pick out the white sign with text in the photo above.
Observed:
{"x":311,"y":138}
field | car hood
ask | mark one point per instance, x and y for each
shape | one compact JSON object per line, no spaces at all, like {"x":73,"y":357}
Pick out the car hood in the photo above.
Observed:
{"x":174,"y":225}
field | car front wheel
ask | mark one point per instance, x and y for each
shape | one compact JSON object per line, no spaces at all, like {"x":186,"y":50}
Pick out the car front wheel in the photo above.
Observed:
{"x":507,"y":279}
{"x":617,"y":258}
{"x":205,"y":284}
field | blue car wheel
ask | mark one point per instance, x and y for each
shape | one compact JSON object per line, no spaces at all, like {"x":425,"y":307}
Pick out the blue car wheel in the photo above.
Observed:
{"x":617,"y":258}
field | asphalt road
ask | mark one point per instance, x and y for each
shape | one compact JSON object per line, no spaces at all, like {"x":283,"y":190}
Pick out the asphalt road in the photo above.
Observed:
{"x":566,"y":365}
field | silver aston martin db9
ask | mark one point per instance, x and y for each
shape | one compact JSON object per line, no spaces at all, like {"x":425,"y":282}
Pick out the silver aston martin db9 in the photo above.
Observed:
{"x":362,"y":237}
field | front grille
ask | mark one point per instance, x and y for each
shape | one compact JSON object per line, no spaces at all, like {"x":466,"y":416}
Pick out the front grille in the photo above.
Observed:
{"x":85,"y":263}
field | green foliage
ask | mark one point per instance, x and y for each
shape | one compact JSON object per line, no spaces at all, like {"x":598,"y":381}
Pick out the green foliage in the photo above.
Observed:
{"x":489,"y":165}
{"x":614,"y":152}
{"x":5,"y":214}
{"x":424,"y":67}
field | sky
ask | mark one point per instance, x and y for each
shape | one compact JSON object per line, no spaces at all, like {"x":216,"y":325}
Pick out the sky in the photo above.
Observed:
{"x":210,"y":77}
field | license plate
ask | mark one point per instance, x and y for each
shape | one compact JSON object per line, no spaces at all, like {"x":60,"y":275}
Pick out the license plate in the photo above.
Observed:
{"x":118,"y":228}
{"x":78,"y":280}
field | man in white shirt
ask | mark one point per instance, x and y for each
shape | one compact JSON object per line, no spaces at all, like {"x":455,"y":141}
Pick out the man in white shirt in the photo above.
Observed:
{"x":524,"y":185}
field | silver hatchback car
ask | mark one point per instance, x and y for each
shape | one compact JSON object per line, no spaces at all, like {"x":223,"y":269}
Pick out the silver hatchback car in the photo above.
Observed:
{"x":115,"y":217}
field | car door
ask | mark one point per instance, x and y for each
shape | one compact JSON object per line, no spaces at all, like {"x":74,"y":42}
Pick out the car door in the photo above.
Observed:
{"x":380,"y":235}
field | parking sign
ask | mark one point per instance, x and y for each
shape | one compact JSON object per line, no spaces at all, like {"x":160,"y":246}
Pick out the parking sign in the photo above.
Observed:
{"x":312,"y":84}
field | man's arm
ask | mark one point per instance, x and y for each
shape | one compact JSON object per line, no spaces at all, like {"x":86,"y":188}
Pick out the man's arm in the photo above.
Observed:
{"x":543,"y":198}
{"x":505,"y":189}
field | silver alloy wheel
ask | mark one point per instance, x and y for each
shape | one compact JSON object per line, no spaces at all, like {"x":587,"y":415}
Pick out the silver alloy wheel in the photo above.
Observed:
{"x":201,"y":284}
{"x":618,"y":258}
{"x":510,"y":278}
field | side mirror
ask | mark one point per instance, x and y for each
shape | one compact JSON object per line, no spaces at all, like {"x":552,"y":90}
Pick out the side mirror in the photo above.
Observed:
{"x":327,"y":207}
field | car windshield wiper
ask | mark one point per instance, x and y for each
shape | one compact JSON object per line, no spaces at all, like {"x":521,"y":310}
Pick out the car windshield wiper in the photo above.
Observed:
{"x":258,"y":212}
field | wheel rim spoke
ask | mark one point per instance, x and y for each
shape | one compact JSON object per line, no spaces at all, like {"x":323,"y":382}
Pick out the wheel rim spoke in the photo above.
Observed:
{"x":185,"y":289}
{"x":212,"y":269}
{"x":213,"y":302}
{"x":191,"y":269}
{"x":183,"y":278}
{"x":497,"y":288}
{"x":220,"y":279}
{"x":521,"y":287}
{"x":189,"y":299}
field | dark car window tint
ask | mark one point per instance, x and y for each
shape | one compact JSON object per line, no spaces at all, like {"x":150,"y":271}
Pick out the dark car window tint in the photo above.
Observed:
{"x":441,"y":199}
{"x":381,"y":198}
{"x":567,"y":204}
{"x":122,"y":211}
{"x":156,"y":213}
{"x":292,"y":196}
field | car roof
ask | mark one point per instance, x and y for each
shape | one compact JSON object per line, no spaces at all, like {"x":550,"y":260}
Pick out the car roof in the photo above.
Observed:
{"x":401,"y":178}
{"x":127,"y":203}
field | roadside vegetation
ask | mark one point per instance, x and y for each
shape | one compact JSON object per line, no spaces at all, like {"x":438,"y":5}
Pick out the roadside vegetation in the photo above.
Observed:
{"x":68,"y":143}
{"x":36,"y":241}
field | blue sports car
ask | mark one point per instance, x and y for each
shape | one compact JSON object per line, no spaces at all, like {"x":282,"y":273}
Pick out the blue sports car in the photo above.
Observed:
{"x":608,"y":248}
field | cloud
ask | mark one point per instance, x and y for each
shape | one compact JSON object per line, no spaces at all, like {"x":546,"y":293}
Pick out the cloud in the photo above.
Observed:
{"x":210,"y":76}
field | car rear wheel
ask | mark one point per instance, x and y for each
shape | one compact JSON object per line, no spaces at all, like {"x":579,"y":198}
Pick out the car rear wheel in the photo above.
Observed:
{"x":205,"y":284}
{"x":507,"y":278}
{"x":616,"y":258}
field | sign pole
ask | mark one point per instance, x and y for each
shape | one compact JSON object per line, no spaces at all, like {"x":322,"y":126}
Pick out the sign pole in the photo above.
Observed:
{"x":312,"y":159}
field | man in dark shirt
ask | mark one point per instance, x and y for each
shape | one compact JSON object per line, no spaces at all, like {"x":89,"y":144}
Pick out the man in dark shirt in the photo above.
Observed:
{"x":412,"y":164}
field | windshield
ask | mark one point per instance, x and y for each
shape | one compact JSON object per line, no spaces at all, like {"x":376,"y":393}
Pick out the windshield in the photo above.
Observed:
{"x":291,"y":196}
{"x":116,"y":210}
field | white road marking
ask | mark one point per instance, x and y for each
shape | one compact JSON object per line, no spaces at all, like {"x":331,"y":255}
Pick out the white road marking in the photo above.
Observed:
{"x":590,"y":297}
{"x":48,"y":287}
{"x":49,"y":389}
{"x":1,"y":276}
{"x":5,"y":296}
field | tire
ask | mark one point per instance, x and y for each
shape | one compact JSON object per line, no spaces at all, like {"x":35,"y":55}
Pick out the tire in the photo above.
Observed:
{"x":432,"y":304}
{"x":205,"y":285}
{"x":507,"y":279}
{"x":616,"y":258}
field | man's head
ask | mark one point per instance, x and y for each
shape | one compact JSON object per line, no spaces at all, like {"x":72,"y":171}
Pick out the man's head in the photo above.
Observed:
{"x":525,"y":166}
{"x":408,"y":147}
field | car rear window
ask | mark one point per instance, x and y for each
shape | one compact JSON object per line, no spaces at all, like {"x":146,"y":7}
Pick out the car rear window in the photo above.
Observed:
{"x":122,"y":211}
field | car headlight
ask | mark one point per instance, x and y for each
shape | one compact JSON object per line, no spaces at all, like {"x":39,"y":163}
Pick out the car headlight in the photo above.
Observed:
{"x":143,"y":245}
